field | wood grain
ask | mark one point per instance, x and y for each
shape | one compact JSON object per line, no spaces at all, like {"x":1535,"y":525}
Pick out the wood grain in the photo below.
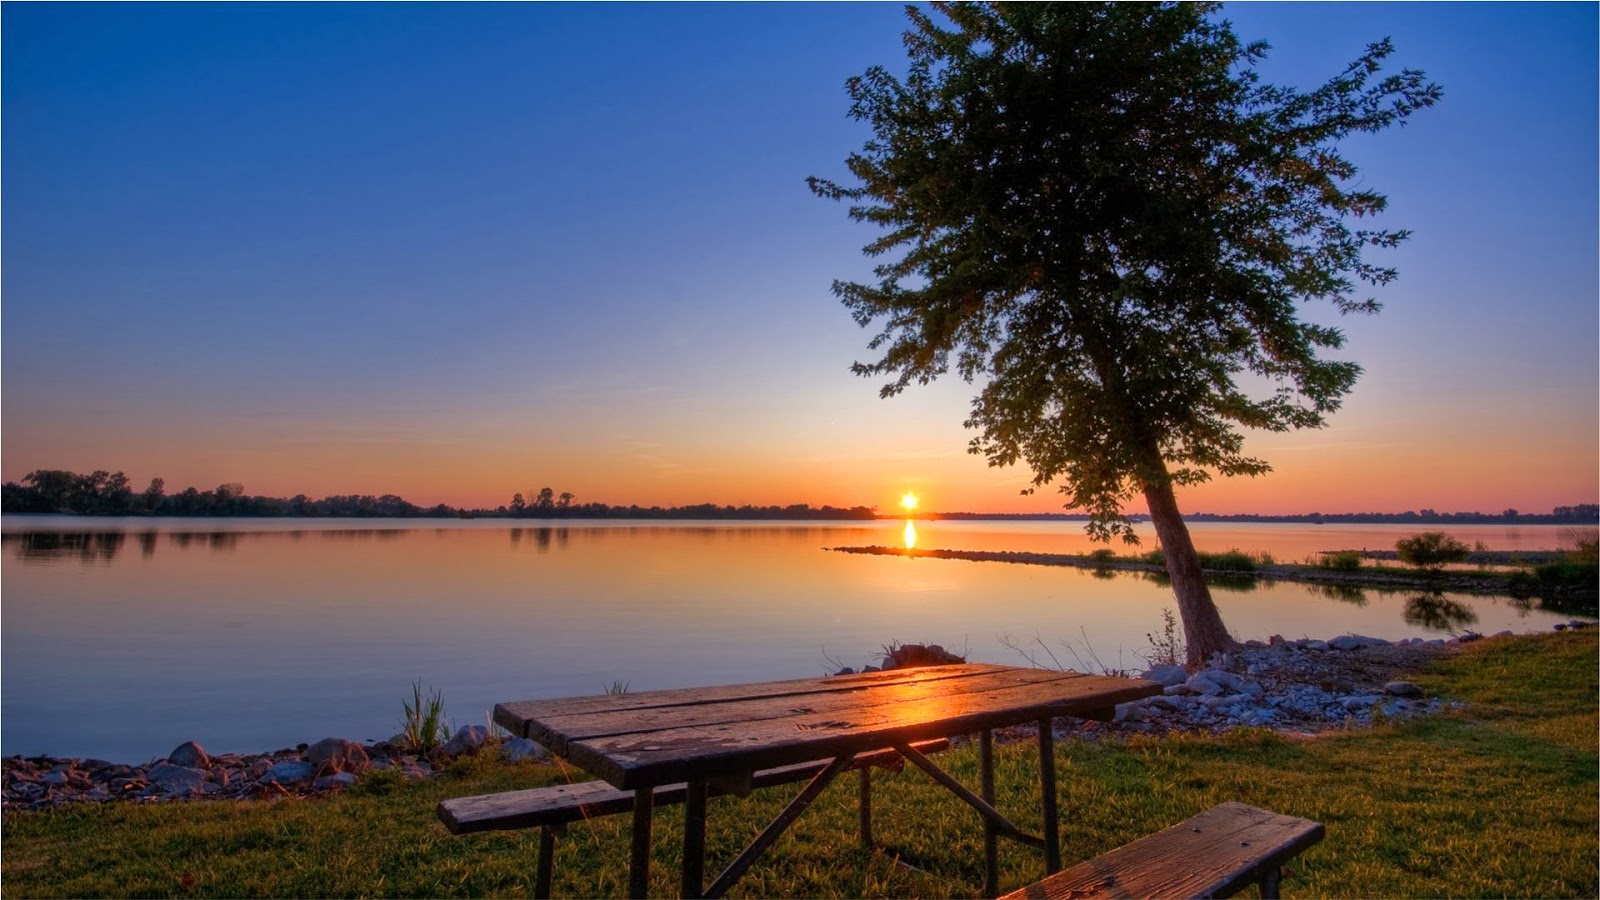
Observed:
{"x":775,"y":737}
{"x":1214,"y":854}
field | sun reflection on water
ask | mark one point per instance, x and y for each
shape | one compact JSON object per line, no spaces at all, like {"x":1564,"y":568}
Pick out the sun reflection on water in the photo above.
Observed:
{"x":910,"y":535}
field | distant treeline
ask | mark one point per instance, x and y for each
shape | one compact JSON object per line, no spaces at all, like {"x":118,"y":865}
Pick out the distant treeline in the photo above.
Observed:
{"x":103,"y":493}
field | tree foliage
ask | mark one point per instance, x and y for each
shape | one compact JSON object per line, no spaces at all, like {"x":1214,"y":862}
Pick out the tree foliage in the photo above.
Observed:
{"x":1431,"y":550}
{"x":1102,"y":216}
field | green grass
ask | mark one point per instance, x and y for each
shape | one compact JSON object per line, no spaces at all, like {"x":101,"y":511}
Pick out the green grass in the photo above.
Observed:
{"x":1495,"y":800}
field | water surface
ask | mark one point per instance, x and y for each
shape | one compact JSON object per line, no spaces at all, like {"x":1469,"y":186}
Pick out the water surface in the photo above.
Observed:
{"x":122,"y":638}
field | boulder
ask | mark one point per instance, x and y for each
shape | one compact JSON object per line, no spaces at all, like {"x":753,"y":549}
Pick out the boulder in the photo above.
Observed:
{"x":1319,"y":646}
{"x":289,"y":770}
{"x":1167,"y":676}
{"x":467,"y":740}
{"x":1402,"y":689}
{"x":334,"y":755}
{"x":173,"y":779}
{"x":334,"y":781}
{"x":190,"y":755}
{"x":516,"y":749}
{"x":1356,"y":642}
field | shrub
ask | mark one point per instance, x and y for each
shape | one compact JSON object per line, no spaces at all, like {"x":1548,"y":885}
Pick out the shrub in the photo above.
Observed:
{"x":1430,"y":550}
{"x":1103,"y":555}
{"x":1232,"y":561}
{"x":1156,"y":557}
{"x":1341,"y":561}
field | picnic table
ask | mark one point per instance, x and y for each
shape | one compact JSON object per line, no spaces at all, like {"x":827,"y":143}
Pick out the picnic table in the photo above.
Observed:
{"x":720,"y":736}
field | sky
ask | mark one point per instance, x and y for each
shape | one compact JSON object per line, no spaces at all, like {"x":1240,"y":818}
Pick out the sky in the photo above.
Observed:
{"x":454,"y":252}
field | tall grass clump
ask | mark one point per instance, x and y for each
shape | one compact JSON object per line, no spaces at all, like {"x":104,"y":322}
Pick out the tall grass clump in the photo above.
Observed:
{"x":1232,"y":561}
{"x":423,"y":726}
{"x":1340,"y":561}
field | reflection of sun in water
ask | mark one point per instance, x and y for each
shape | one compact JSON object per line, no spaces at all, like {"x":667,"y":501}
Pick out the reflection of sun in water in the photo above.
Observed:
{"x":909,"y":500}
{"x":910,"y":535}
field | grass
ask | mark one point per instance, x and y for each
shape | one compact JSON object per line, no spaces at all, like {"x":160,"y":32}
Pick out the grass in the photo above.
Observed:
{"x":1498,"y":799}
{"x":422,"y":722}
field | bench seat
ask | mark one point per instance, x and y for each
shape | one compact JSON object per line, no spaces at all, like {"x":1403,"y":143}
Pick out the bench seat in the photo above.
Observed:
{"x":1214,"y":854}
{"x":560,"y":804}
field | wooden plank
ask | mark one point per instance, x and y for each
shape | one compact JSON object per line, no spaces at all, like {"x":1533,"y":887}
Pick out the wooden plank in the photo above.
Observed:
{"x":680,"y":754}
{"x":1214,"y":854}
{"x":563,"y":803}
{"x":559,"y":706}
{"x":556,"y":732}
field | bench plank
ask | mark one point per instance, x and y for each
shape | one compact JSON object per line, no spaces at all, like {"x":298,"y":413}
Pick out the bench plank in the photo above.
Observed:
{"x":1214,"y":854}
{"x":560,"y":804}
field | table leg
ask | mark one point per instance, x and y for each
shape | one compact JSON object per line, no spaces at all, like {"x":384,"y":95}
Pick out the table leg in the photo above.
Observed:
{"x":1047,"y":787}
{"x":866,"y":807}
{"x":547,"y":856}
{"x":639,"y":867}
{"x":991,"y":843}
{"x":694,"y":839}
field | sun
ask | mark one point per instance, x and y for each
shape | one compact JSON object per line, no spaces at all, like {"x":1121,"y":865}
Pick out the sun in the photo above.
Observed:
{"x":909,"y":501}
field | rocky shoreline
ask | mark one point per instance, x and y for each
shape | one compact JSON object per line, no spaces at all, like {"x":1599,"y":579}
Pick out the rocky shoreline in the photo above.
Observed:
{"x":1298,"y":687}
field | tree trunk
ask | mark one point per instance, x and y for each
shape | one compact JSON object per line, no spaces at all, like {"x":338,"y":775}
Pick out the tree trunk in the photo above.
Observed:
{"x":1203,"y":630}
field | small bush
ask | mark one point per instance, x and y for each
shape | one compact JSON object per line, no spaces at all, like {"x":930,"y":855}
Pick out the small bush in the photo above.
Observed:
{"x":1431,"y":550}
{"x":1156,"y":557}
{"x":1567,"y":575}
{"x":1583,"y":545}
{"x":1232,"y":561}
{"x":1167,"y":648}
{"x":1103,"y":555}
{"x":1340,"y":561}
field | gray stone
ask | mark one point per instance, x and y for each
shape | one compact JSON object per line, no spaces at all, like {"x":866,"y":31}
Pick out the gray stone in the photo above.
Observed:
{"x":1402,"y":689}
{"x":1228,"y":680}
{"x":1467,"y":637}
{"x":190,"y":755}
{"x":1356,"y":642}
{"x":1579,"y":624}
{"x":1506,"y":633}
{"x":335,"y":755}
{"x":1319,"y":646}
{"x":1361,"y":702}
{"x":173,"y":779}
{"x":467,"y":739}
{"x":845,"y":671}
{"x":866,"y":669}
{"x":1178,"y":690}
{"x":1203,"y":683}
{"x":1167,"y":676}
{"x":335,"y":781}
{"x":516,"y":749}
{"x":54,"y":778}
{"x":1128,"y":712}
{"x":289,"y":770}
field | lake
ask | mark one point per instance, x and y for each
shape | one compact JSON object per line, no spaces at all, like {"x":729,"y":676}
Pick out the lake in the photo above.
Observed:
{"x":121,"y":638}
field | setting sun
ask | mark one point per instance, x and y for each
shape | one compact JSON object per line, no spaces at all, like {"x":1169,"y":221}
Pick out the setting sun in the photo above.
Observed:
{"x":909,"y":501}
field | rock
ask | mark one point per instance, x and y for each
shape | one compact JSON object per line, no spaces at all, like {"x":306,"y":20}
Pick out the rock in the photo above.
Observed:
{"x":468,"y":739}
{"x":334,"y":781}
{"x":1275,"y":641}
{"x":189,"y":755}
{"x":1167,"y":676}
{"x":335,"y":755}
{"x":1579,"y":624}
{"x":1319,"y":646}
{"x":1128,"y":712}
{"x":53,"y":778}
{"x":516,"y":749}
{"x":289,"y":770}
{"x":1467,"y":637}
{"x":173,"y":779}
{"x":1228,"y":680}
{"x":1360,"y":703}
{"x":1560,"y":626}
{"x":866,"y":669}
{"x":1402,"y":689}
{"x":1203,"y":683}
{"x":1501,"y":634}
{"x":845,"y":671}
{"x":1356,"y":642}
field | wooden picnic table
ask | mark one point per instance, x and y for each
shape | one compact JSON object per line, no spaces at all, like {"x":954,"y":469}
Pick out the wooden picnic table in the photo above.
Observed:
{"x":722,"y":735}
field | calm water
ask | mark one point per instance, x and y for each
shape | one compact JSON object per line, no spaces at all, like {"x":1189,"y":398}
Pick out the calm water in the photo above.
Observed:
{"x":122,"y":638}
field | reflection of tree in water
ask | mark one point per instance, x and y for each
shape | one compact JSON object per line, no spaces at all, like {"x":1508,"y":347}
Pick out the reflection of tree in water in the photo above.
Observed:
{"x":1433,"y":610}
{"x":84,"y":546}
{"x":542,"y":536}
{"x":1344,"y":593}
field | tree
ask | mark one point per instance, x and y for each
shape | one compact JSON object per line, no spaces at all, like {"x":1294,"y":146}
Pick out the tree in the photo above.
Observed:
{"x":1431,"y":550}
{"x":1102,"y":216}
{"x":518,"y":505}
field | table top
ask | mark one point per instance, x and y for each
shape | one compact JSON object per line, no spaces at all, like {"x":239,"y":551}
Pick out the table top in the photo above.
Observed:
{"x":661,"y":737}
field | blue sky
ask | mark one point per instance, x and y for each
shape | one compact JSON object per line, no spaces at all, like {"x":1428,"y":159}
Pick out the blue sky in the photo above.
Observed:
{"x":455,"y":251}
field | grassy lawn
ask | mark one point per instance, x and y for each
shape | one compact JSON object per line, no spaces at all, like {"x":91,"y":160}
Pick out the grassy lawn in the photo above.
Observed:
{"x":1499,"y":799}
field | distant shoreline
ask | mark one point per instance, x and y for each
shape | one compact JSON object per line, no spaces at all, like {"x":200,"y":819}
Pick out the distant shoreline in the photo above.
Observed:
{"x":855,"y":515}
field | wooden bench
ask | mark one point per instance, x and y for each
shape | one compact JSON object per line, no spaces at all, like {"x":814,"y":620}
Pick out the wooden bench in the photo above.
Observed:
{"x":1214,"y":854}
{"x":552,"y":808}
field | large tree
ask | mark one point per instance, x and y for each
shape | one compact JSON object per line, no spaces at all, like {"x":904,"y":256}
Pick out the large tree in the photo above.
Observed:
{"x":1102,"y":216}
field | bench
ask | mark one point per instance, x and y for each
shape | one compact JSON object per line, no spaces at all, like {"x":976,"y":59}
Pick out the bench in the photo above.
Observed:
{"x":552,"y":808}
{"x":1214,"y":854}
